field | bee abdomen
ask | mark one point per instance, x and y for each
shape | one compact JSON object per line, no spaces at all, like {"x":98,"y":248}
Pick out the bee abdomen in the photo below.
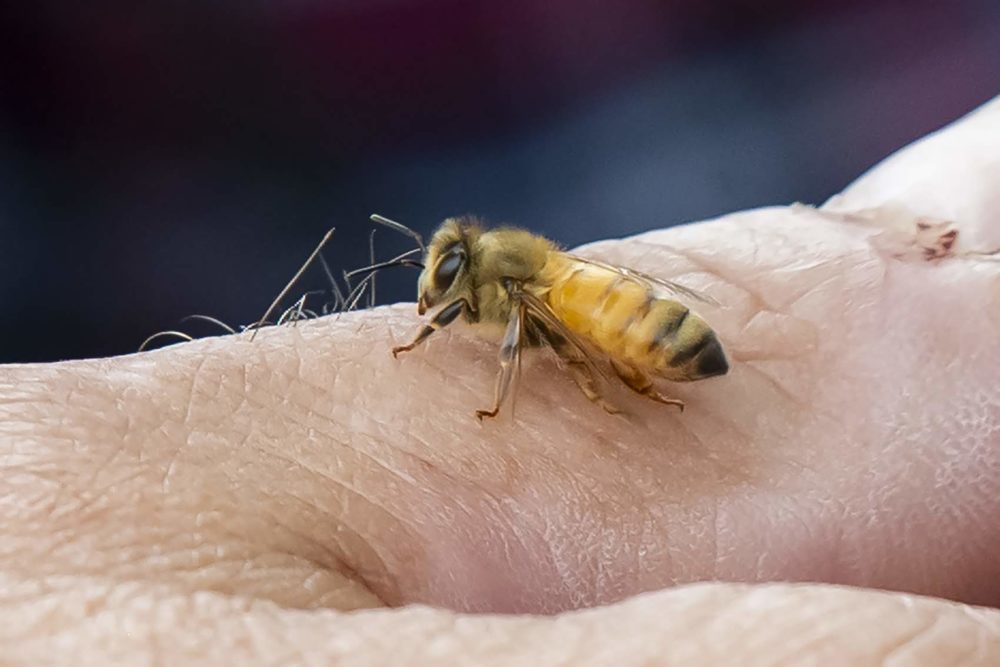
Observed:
{"x":681,"y":346}
{"x":667,"y":330}
{"x":627,"y":321}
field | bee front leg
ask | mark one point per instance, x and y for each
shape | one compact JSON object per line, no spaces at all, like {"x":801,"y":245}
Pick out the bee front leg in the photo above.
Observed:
{"x":640,"y":383}
{"x":510,"y":356}
{"x":443,"y":318}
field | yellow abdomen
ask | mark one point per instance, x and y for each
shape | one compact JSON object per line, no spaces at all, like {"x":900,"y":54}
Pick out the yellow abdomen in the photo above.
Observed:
{"x":627,"y":319}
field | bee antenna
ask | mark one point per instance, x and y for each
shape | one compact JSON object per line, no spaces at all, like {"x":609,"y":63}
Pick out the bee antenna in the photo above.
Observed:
{"x":398,"y":260}
{"x":401,"y":228}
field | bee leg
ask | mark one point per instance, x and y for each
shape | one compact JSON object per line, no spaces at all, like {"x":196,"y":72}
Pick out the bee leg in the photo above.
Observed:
{"x":510,"y":354}
{"x":444,"y":317}
{"x":584,"y":379}
{"x":581,"y":373}
{"x":640,"y":383}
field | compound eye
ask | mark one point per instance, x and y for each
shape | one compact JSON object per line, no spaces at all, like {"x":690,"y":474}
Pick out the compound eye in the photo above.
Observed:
{"x":447,"y":268}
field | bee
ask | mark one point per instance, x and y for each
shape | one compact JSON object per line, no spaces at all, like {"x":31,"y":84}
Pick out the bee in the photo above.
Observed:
{"x":588,"y":312}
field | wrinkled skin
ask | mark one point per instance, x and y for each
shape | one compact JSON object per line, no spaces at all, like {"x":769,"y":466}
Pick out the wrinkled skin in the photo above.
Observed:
{"x":221,"y":499}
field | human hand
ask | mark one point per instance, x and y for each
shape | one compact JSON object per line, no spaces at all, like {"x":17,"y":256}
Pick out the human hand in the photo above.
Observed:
{"x":223,"y":499}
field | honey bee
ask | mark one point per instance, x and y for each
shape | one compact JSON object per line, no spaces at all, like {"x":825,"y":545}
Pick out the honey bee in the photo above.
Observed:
{"x":587,"y":311}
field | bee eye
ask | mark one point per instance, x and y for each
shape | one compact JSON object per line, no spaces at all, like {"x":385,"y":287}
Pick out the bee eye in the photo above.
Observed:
{"x":447,"y":268}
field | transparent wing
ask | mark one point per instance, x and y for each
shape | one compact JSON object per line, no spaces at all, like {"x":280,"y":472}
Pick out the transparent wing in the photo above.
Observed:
{"x":540,"y":310}
{"x":645,"y":278}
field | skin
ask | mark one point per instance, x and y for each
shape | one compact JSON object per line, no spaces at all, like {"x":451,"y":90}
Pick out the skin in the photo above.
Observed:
{"x":226,"y":500}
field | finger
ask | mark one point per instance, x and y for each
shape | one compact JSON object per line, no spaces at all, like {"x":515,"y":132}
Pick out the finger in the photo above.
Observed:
{"x":330,"y":467}
{"x":311,"y":455}
{"x":697,"y":625}
{"x":952,"y":175}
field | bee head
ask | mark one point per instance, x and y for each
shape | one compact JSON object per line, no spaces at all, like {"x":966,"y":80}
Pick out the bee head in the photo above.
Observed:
{"x":446,"y":274}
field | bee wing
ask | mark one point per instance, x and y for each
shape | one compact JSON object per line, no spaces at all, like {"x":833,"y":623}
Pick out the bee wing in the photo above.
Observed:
{"x":539,"y":309}
{"x":639,"y":276}
{"x":517,"y":362}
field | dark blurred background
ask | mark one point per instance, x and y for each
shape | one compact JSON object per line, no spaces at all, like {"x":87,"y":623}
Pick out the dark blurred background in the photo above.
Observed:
{"x":159,"y":159}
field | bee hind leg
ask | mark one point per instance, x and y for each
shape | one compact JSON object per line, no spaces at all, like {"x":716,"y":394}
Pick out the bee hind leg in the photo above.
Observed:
{"x":641,"y":384}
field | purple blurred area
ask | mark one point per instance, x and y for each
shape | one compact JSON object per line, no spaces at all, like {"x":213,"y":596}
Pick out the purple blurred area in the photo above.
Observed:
{"x":162,"y":159}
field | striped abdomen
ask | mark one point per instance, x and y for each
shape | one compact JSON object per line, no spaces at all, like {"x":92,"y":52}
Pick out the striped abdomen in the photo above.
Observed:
{"x":632,"y":322}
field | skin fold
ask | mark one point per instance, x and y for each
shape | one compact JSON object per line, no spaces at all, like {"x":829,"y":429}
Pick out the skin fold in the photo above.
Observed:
{"x":227,"y":498}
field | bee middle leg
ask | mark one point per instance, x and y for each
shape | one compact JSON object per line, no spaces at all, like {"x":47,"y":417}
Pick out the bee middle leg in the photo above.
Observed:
{"x":582,"y":375}
{"x":641,"y":383}
{"x":510,"y":356}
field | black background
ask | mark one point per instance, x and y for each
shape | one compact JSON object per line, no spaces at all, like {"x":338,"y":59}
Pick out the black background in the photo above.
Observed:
{"x":162,"y":159}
